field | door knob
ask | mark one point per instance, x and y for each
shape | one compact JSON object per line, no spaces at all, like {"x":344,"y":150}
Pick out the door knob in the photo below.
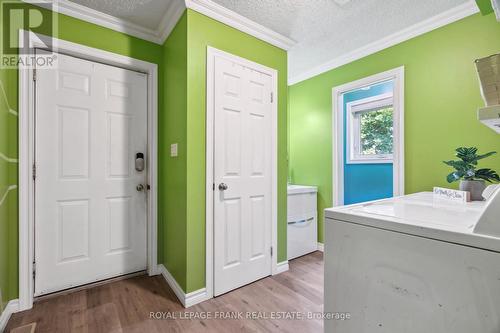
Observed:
{"x":222,"y":187}
{"x":140,"y":188}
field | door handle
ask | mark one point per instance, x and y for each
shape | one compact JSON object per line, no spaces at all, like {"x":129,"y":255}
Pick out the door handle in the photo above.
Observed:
{"x":301,"y":221}
{"x":223,"y":187}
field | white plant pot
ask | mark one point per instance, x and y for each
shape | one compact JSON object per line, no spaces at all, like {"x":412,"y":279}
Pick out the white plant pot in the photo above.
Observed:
{"x":475,"y":187}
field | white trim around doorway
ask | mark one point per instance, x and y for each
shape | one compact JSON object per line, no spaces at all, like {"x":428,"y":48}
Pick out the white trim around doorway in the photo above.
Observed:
{"x":396,"y":74}
{"x":211,"y":54}
{"x":26,"y":152}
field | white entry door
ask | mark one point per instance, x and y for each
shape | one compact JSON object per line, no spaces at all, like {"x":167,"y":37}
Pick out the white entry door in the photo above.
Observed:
{"x":242,"y":174}
{"x":90,"y":217}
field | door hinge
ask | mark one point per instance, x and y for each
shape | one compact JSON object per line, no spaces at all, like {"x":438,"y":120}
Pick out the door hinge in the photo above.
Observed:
{"x":34,"y":171}
{"x":34,"y":74}
{"x":34,"y":269}
{"x":271,"y":251}
{"x":272,"y":97}
{"x":213,"y":186}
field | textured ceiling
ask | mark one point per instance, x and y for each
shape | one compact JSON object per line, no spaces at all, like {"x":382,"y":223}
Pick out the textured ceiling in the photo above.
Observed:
{"x":325,"y":30}
{"x":145,"y":13}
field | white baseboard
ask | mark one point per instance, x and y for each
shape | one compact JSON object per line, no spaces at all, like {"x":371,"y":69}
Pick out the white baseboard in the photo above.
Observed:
{"x":321,"y":247}
{"x":196,"y":297}
{"x":187,"y":300}
{"x":282,"y":267}
{"x":12,"y":307}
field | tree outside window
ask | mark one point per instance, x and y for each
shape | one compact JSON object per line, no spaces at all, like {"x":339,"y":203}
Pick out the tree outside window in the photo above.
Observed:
{"x":376,"y":132}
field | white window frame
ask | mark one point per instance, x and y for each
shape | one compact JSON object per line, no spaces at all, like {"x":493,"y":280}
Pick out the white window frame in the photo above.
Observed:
{"x":353,"y":128}
{"x":398,"y":165}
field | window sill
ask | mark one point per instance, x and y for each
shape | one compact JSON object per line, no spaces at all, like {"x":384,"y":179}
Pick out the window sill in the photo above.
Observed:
{"x":370,"y":161}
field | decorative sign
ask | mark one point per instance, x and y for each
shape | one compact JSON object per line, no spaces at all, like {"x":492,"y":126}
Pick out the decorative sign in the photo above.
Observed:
{"x":452,"y":195}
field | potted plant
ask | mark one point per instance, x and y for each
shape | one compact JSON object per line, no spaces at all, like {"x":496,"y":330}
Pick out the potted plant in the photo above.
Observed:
{"x":471,"y":179}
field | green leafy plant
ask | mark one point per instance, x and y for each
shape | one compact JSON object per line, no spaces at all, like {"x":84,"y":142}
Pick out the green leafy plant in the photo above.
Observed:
{"x":466,"y":167}
{"x":376,"y":132}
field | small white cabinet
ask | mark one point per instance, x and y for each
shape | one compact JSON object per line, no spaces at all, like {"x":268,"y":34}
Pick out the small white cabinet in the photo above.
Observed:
{"x":302,"y":220}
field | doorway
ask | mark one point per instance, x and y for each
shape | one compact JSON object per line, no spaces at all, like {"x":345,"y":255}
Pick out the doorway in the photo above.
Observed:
{"x":98,"y":178}
{"x":91,"y":180}
{"x":368,"y":138}
{"x":241,"y":171}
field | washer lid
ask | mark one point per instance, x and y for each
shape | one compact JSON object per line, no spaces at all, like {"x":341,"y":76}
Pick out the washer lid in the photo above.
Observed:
{"x":422,"y":215}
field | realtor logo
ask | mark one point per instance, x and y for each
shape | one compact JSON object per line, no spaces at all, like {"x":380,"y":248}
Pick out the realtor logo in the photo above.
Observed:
{"x":22,"y":23}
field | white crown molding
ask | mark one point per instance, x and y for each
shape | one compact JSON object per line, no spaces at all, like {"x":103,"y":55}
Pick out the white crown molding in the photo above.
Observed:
{"x":237,"y":21}
{"x":12,"y":307}
{"x":158,"y":36}
{"x":188,"y":299}
{"x":170,"y":19}
{"x":172,"y":16}
{"x":93,"y":16}
{"x":418,"y":29}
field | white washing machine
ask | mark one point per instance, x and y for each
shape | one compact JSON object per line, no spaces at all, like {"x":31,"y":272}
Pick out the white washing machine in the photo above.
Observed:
{"x":302,"y":221}
{"x":413,"y":264}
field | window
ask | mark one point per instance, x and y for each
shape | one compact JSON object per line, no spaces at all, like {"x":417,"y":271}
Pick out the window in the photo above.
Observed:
{"x":370,"y":130}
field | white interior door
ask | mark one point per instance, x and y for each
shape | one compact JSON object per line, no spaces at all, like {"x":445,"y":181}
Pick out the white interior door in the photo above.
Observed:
{"x":90,"y":219}
{"x":242,"y":174}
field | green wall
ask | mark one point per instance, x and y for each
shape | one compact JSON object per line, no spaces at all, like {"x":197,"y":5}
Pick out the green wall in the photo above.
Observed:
{"x":8,"y":195}
{"x":441,"y":98}
{"x":186,"y":221}
{"x":75,"y":31}
{"x":172,"y":197}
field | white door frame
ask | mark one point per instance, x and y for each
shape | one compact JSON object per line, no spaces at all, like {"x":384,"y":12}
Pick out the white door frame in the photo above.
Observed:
{"x":396,"y":74}
{"x":209,"y":205}
{"x":26,"y":152}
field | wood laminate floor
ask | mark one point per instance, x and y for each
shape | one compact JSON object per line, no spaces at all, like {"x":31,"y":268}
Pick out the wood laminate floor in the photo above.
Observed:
{"x":126,"y":306}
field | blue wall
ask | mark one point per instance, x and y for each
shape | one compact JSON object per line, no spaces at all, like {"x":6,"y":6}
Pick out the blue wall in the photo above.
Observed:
{"x":365,"y":182}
